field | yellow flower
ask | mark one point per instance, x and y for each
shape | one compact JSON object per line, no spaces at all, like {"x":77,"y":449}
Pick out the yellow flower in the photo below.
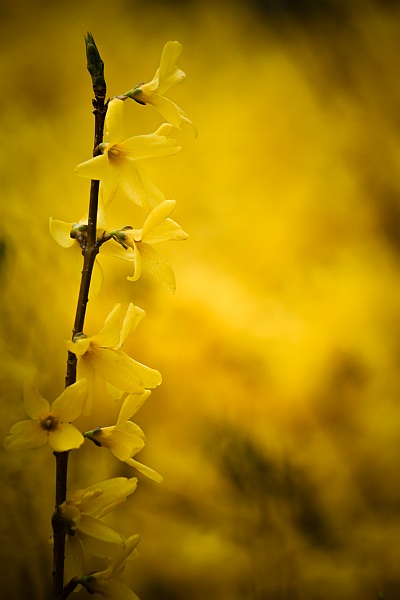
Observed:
{"x":117,"y":165}
{"x":50,"y":425}
{"x":167,"y":76}
{"x":157,"y":228}
{"x":70,"y":235}
{"x":82,"y":512}
{"x":101,"y":355}
{"x":125,"y":438}
{"x":107,"y":583}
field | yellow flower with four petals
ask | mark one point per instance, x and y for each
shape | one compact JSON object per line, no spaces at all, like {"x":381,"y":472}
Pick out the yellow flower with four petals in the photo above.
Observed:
{"x":101,"y":355}
{"x":157,"y":228}
{"x":82,"y":512}
{"x":49,"y":424}
{"x":166,"y":77}
{"x":117,"y":166}
{"x":125,"y":438}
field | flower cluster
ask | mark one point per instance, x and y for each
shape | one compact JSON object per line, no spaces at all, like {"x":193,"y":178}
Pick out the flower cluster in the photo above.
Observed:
{"x":117,"y":165}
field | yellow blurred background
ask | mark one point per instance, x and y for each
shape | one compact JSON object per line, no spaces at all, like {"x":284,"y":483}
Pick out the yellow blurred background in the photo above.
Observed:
{"x":277,"y":427}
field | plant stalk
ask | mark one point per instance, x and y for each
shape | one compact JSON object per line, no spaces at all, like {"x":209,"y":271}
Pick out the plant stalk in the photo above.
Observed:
{"x":89,"y":252}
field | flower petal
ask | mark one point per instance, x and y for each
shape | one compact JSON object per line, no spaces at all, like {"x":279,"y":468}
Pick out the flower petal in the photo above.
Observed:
{"x":168,"y":74}
{"x":131,"y":183}
{"x":118,"y":368}
{"x":131,"y":404}
{"x":85,"y":370}
{"x":114,"y":127}
{"x":60,"y":231}
{"x":35,"y":406}
{"x":133,"y":317}
{"x":96,"y":281}
{"x":166,"y":107}
{"x":150,"y":473}
{"x":108,"y":189}
{"x":137,"y":264}
{"x":151,"y":378}
{"x":111,"y":589}
{"x":116,"y":250}
{"x":97,"y":168}
{"x":69,"y":405}
{"x":169,"y":231}
{"x":124,"y":440}
{"x":98,"y":538}
{"x":153,"y":193}
{"x":155,"y":264}
{"x":101,"y":498}
{"x":108,"y":336}
{"x":157,"y":216}
{"x":24,"y":435}
{"x":73,"y":558}
{"x":65,"y":437}
{"x":149,"y":146}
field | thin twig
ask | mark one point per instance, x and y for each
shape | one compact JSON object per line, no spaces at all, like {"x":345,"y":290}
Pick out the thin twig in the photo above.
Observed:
{"x":89,"y":252}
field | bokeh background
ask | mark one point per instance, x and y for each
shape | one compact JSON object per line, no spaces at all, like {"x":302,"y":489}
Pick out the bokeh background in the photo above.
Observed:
{"x":277,"y":427}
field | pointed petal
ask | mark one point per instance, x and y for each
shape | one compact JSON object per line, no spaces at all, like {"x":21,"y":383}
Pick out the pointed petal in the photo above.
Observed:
{"x":150,"y":473}
{"x":97,"y":168}
{"x":65,"y":437}
{"x":151,"y":378}
{"x":112,"y":589}
{"x":155,"y":264}
{"x":130,"y":181}
{"x":123,"y":372}
{"x":165,"y":129}
{"x":149,"y":146}
{"x":124,"y":440}
{"x":101,"y":210}
{"x":35,"y":406}
{"x":69,"y":405}
{"x":114,"y":249}
{"x":85,"y":370}
{"x":108,"y":189}
{"x":169,"y":57}
{"x":157,"y":216}
{"x":174,"y":78}
{"x":169,"y":231}
{"x":25,"y":435}
{"x":114,"y":392}
{"x":131,"y":404}
{"x":153,"y":193}
{"x":114,"y":128}
{"x":60,"y":231}
{"x":96,"y":281}
{"x":108,"y":336}
{"x":133,"y":317}
{"x":98,"y":538}
{"x":119,"y":369}
{"x":107,"y":495}
{"x":117,"y":566}
{"x":134,"y":430}
{"x":73,"y":558}
{"x":137,"y":264}
{"x":165,"y":107}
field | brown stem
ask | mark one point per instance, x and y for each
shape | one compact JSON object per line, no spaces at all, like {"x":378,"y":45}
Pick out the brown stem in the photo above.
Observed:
{"x":91,"y":249}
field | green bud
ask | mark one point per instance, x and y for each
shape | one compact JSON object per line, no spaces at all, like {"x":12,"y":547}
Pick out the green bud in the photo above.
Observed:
{"x":119,"y":236}
{"x":93,"y":435}
{"x":95,"y":65}
{"x":135,"y":94}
